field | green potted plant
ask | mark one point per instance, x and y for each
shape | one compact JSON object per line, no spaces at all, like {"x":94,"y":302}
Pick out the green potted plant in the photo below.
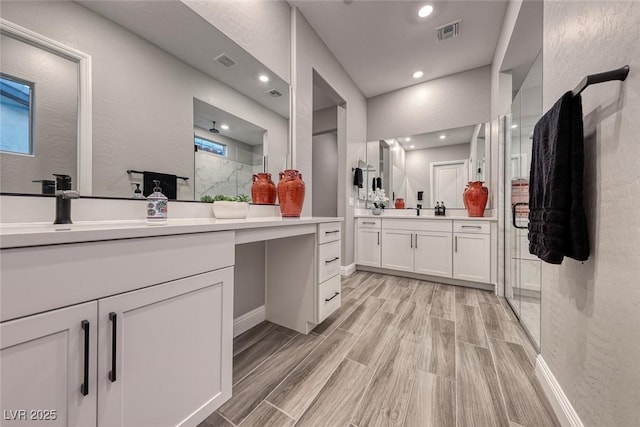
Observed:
{"x":228,"y":207}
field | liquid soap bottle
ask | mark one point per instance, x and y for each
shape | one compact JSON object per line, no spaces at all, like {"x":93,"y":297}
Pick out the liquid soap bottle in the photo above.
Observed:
{"x":157,"y":204}
{"x":137,"y":193}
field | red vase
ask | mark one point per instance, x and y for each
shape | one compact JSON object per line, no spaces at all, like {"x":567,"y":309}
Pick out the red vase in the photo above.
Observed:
{"x":399,"y":204}
{"x":290,"y":193}
{"x":475,"y":198}
{"x":263,"y":190}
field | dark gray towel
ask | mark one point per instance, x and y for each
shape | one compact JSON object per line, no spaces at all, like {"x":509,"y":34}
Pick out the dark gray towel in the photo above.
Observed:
{"x":168,"y":183}
{"x":379,"y":182}
{"x":358,"y":179}
{"x":557,"y":223}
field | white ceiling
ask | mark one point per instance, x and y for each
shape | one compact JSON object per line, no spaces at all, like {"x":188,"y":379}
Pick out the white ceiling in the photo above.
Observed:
{"x":461,"y":135}
{"x":239,"y":129}
{"x":381,"y":43}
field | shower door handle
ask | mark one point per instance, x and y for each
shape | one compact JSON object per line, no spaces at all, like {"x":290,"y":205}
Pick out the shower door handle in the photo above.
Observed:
{"x":513,"y":214}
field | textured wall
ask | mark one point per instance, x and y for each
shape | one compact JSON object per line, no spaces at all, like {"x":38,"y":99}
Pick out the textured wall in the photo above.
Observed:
{"x":457,"y":100}
{"x":55,"y":117}
{"x":142,"y":98}
{"x":312,"y":54}
{"x":591,"y":311}
{"x":262,"y":28}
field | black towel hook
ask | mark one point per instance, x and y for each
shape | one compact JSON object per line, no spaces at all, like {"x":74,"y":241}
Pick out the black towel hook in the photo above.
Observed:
{"x":618,"y":74}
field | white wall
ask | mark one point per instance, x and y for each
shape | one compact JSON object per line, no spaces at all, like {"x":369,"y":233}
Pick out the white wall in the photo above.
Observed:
{"x":54,"y":119}
{"x":418,"y":170}
{"x":262,"y":28}
{"x":460,"y":99}
{"x":591,"y":311}
{"x":325,"y":120}
{"x":248,"y":281}
{"x":311,"y":53}
{"x":142,"y":98}
{"x":325,"y":175}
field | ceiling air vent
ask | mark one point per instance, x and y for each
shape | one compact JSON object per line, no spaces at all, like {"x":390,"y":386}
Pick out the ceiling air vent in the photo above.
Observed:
{"x":449,"y":31}
{"x":225,"y":60}
{"x":274,"y":93}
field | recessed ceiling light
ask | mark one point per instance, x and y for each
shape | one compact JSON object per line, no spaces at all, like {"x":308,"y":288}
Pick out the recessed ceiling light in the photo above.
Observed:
{"x":425,"y":11}
{"x":418,"y":74}
{"x":412,"y":146}
{"x":407,"y":139}
{"x":225,"y":127}
{"x":263,"y":78}
{"x":443,"y":136}
{"x":513,"y":126}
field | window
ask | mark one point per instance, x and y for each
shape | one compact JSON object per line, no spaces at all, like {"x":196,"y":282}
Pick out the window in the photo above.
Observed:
{"x":16,"y":99}
{"x":210,"y":146}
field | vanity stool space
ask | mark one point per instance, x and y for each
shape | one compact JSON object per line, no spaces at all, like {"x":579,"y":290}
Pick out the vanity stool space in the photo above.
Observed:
{"x":107,"y":330}
{"x":459,"y":251}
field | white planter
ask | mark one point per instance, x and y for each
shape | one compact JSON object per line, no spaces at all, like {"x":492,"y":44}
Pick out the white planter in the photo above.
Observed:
{"x":229,"y":210}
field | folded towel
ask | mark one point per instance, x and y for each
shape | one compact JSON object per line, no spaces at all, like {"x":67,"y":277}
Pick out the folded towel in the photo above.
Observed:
{"x":168,"y":183}
{"x":357,"y":177}
{"x":557,"y":222}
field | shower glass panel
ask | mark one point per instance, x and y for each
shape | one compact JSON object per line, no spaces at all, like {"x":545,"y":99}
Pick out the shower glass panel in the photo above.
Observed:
{"x":523,"y":270}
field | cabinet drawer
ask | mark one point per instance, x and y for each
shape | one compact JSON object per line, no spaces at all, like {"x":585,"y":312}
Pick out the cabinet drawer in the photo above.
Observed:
{"x":328,"y":260}
{"x":476,"y":227}
{"x":329,"y":232}
{"x":369,"y":222}
{"x":442,"y":225}
{"x":328,"y":297}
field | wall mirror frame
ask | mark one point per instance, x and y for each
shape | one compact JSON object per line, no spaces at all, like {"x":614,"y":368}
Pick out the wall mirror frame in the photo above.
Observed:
{"x":85,"y":107}
{"x":122,"y":26}
{"x":432,"y":167}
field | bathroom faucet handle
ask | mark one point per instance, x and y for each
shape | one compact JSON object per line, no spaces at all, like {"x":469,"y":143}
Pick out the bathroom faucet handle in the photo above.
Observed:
{"x":68,"y":194}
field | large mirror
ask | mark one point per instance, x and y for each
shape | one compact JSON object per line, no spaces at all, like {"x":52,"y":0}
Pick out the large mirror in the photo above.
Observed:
{"x":154,"y":98}
{"x":432,"y":167}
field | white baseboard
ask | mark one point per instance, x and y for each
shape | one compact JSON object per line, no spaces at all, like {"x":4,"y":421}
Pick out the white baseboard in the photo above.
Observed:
{"x":249,"y":320}
{"x":347,"y":270}
{"x":567,"y":416}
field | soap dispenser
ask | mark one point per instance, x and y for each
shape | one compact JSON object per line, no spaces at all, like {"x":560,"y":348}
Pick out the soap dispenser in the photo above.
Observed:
{"x":437,"y":209}
{"x":157,"y":204}
{"x":443,"y":209}
{"x":137,"y":193}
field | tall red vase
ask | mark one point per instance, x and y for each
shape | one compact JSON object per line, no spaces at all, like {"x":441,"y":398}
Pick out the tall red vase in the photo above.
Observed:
{"x":290,"y":193}
{"x":475,"y":198}
{"x":263,"y":190}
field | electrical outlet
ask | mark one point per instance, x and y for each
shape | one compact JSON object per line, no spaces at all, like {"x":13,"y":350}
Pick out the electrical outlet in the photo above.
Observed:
{"x":350,"y":201}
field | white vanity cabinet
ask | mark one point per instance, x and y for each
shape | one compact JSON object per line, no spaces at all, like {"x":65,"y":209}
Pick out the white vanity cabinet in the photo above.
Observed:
{"x":329,"y":254}
{"x":368,"y":241}
{"x":397,"y":249}
{"x":433,"y":253}
{"x":48,"y":369}
{"x":472,"y":251}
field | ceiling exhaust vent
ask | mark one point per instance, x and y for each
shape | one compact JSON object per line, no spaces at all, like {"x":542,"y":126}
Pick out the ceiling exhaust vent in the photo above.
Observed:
{"x":225,"y":60}
{"x":274,"y":93}
{"x":449,"y":31}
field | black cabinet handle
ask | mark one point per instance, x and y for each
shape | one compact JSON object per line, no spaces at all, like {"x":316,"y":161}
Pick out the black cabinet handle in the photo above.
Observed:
{"x":513,"y":214}
{"x":331,"y":232}
{"x":334,"y":295}
{"x":113,"y":317}
{"x":369,"y":222}
{"x":84,"y":387}
{"x":378,"y":238}
{"x":416,"y":240}
{"x":332,"y":260}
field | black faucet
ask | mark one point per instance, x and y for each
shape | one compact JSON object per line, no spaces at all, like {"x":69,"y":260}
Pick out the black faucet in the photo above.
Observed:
{"x":64,"y":194}
{"x":418,"y":211}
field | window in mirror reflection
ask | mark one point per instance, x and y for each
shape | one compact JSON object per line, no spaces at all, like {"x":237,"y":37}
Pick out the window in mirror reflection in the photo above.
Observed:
{"x":15,"y":115}
{"x":210,"y":146}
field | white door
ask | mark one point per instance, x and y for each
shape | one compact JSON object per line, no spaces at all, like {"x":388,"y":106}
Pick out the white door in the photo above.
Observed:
{"x":165,"y":352}
{"x":448,"y":180}
{"x":397,"y":250}
{"x":48,"y":370}
{"x":472,"y":257}
{"x":433,"y":253}
{"x":368,"y":247}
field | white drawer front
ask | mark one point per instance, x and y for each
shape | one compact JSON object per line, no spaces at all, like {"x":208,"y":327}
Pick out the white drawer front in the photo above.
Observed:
{"x":441,"y":225}
{"x":329,"y":232}
{"x":328,"y":260}
{"x":329,"y":297}
{"x":369,"y":222}
{"x":477,"y":227}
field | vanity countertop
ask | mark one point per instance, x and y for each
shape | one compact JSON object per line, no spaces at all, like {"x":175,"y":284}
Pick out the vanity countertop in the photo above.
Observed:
{"x":448,"y":217}
{"x":17,"y":235}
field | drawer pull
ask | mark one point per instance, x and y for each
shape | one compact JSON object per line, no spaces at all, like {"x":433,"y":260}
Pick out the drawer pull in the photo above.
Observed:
{"x":471,"y":226}
{"x":332,"y":260}
{"x":114,"y":324}
{"x":84,"y":387}
{"x":334,"y":295}
{"x":332,"y":231}
{"x":369,"y":222}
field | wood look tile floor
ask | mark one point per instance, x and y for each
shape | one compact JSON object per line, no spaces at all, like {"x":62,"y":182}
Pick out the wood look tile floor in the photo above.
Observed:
{"x":399,"y":352}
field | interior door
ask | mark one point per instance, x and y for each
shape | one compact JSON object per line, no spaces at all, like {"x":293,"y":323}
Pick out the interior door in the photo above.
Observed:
{"x":449,"y":179}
